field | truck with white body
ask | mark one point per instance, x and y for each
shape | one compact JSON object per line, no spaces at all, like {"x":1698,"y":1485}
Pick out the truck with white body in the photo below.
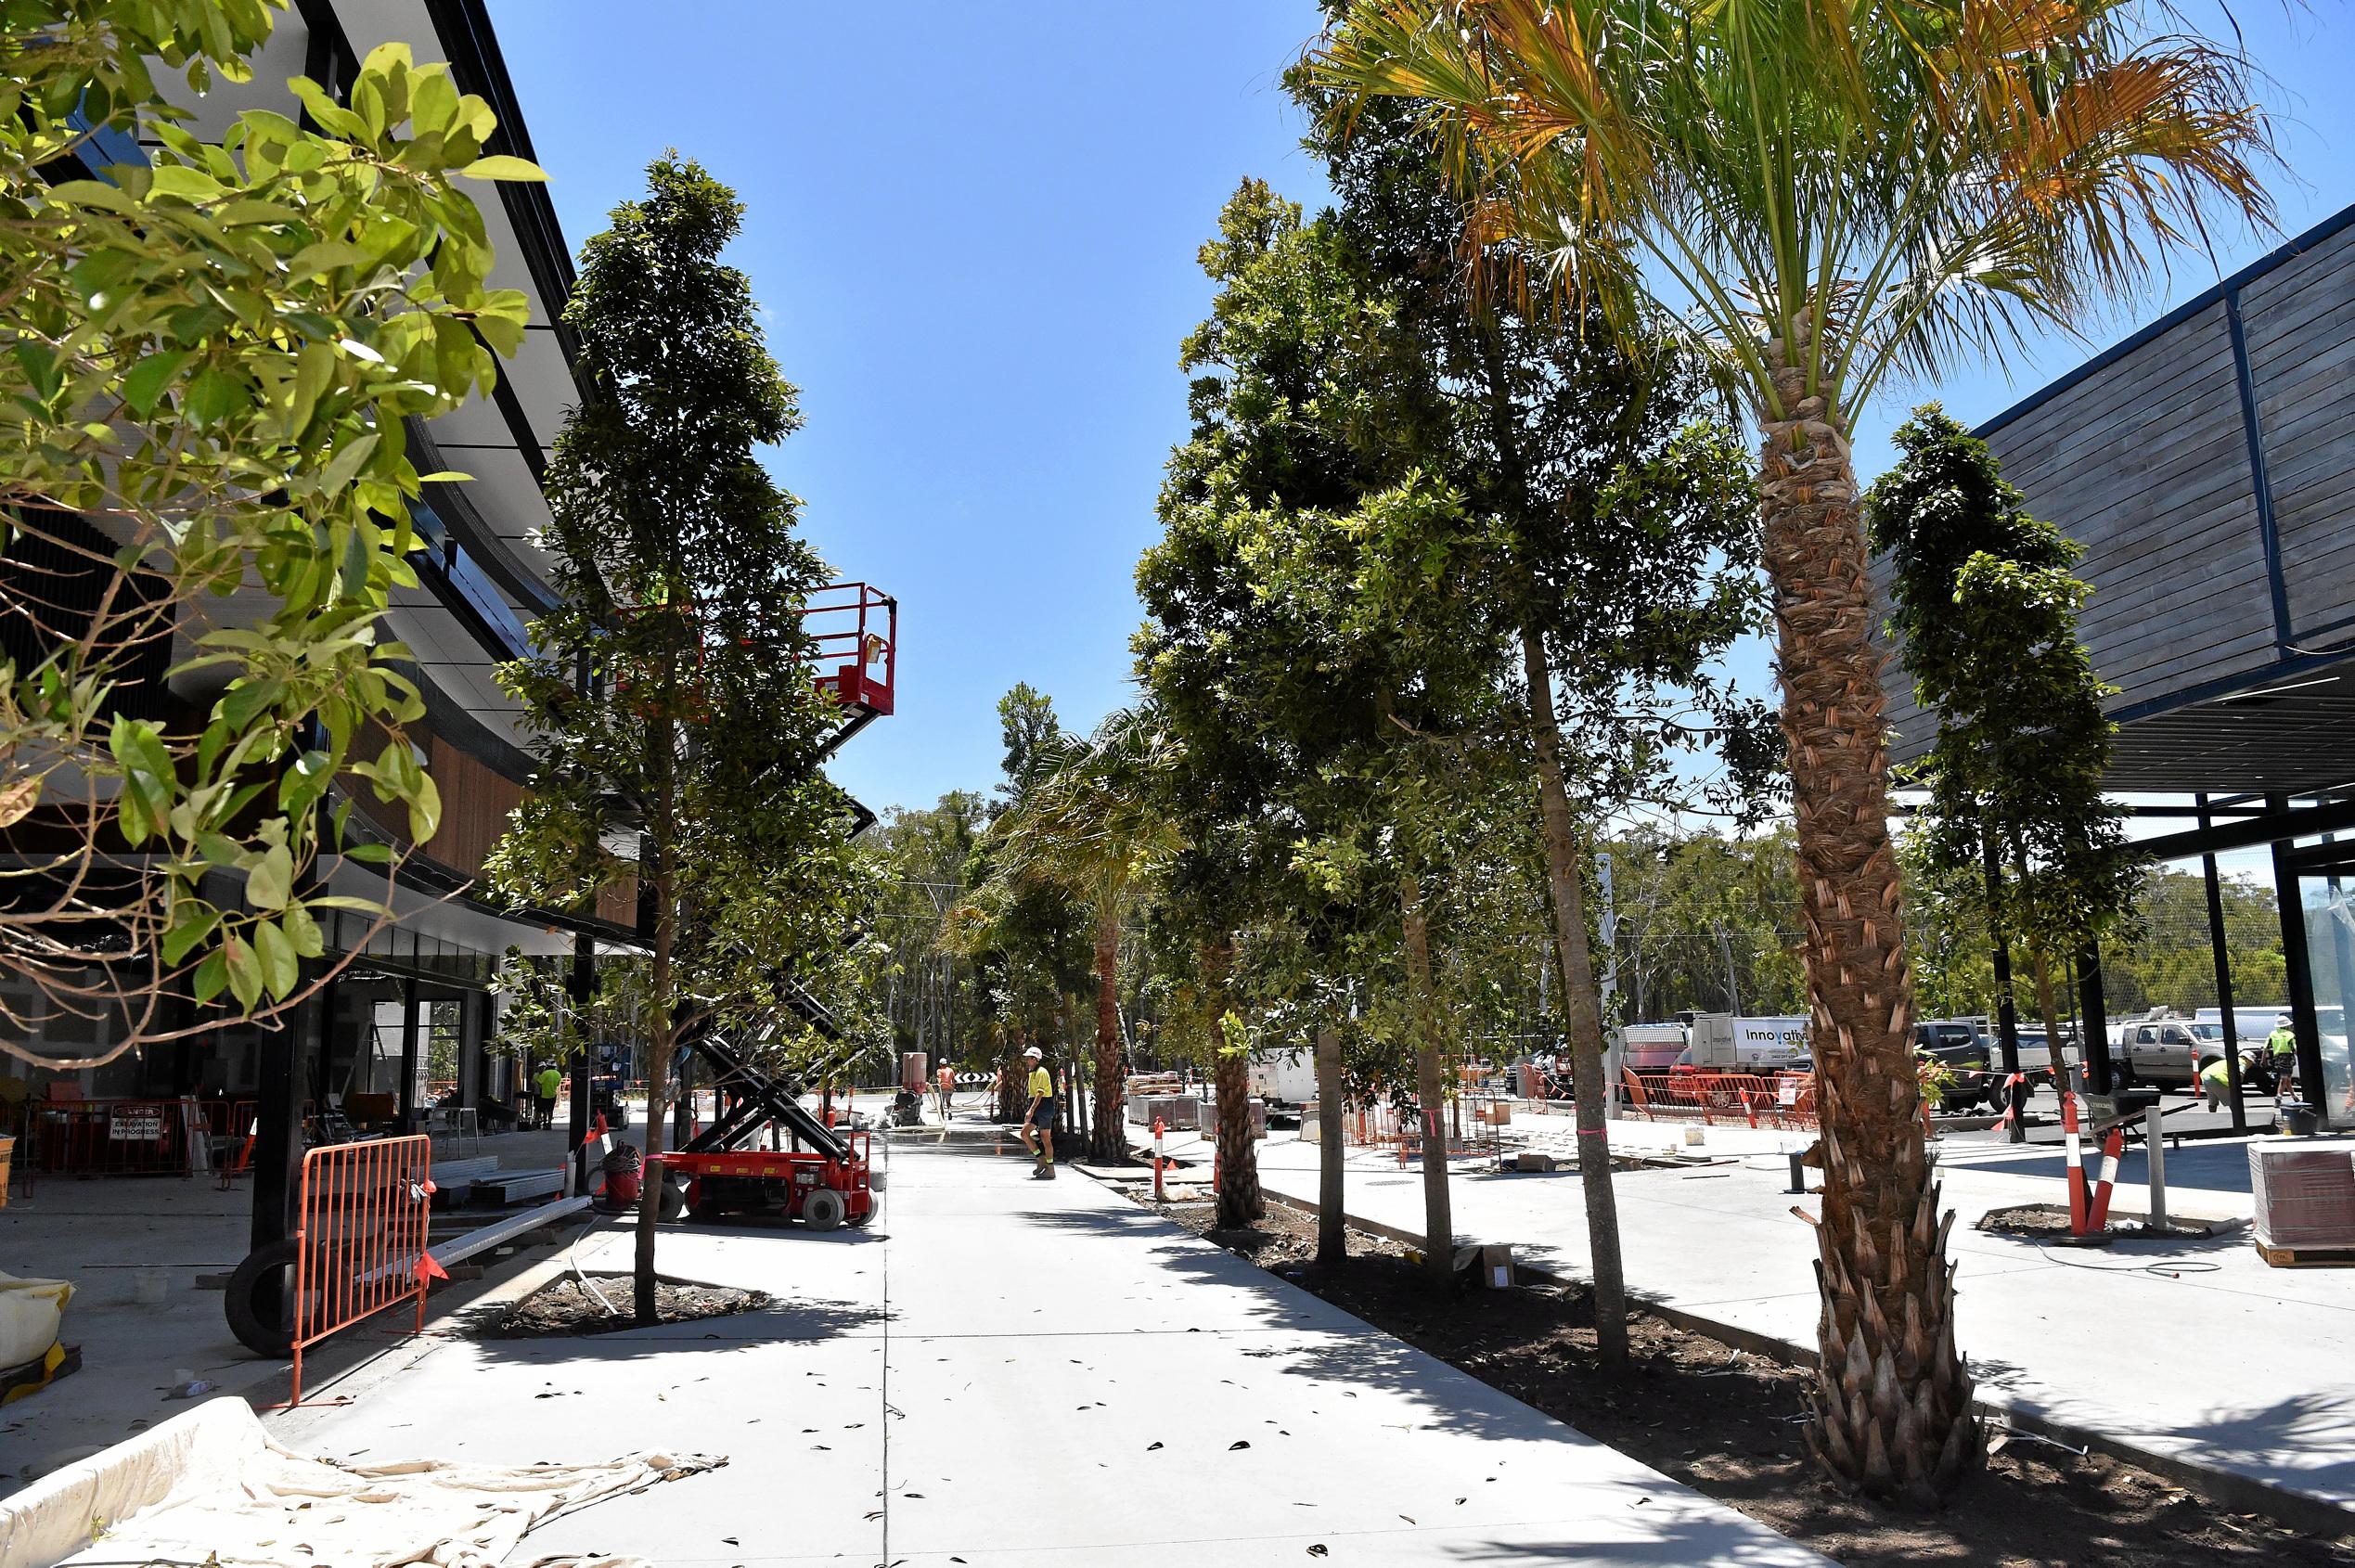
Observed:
{"x":1648,"y":1047}
{"x":1285,"y":1076}
{"x":1722,"y":1043}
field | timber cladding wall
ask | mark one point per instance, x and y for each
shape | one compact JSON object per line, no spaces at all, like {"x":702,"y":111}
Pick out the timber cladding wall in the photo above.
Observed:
{"x":2144,"y":459}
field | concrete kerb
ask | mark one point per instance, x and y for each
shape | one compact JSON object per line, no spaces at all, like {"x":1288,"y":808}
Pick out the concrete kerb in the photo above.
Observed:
{"x":2228,"y":1489}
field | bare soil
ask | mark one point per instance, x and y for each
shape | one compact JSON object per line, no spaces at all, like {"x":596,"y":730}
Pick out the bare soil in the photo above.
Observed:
{"x":1727,"y":1423}
{"x":2041,"y":1221}
{"x":564,"y":1307}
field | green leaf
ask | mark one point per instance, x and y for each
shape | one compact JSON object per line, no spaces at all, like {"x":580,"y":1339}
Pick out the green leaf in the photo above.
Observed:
{"x":499,"y":166}
{"x":268,"y":885}
{"x":304,"y":932}
{"x":245,"y":971}
{"x":425,"y":808}
{"x":144,"y":386}
{"x":195,"y":923}
{"x":280,"y":970}
{"x":40,"y":362}
{"x":211,"y":975}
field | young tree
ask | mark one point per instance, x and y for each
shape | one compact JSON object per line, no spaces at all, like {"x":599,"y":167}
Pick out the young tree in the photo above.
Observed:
{"x":1318,"y":637}
{"x":679,"y":725}
{"x":1625,"y":534}
{"x":1828,"y":195}
{"x":1986,"y":606}
{"x":212,"y":351}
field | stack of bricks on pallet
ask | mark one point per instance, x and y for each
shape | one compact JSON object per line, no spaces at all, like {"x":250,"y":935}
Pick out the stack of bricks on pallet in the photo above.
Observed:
{"x":2305,"y":1195}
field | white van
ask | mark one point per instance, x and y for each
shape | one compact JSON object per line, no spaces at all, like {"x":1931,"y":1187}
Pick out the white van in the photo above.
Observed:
{"x":1722,"y":1043}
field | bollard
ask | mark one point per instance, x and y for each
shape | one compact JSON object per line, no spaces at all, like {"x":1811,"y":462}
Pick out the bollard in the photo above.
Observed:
{"x":1159,"y":1128}
{"x":1798,"y":1172}
{"x":2155,"y":1151}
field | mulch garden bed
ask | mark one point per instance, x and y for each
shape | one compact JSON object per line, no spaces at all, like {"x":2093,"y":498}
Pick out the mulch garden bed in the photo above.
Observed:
{"x":1727,"y":1423}
{"x":2045,"y":1221}
{"x":564,"y":1307}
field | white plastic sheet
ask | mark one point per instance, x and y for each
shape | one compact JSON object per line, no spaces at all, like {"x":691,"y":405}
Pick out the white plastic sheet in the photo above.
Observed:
{"x":210,"y":1485}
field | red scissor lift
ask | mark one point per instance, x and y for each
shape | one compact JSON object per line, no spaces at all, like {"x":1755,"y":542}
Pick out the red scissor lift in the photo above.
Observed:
{"x":822,"y":1177}
{"x":822,"y":1180}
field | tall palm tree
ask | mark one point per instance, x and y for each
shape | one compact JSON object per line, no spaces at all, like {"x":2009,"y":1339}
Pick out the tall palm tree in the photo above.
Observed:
{"x":1828,"y":193}
{"x":1091,"y":824}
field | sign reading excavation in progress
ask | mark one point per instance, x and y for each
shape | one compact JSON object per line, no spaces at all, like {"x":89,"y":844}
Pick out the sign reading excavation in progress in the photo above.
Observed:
{"x":136,"y":1123}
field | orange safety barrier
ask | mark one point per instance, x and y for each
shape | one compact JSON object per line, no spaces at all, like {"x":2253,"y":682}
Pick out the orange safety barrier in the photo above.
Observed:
{"x":1785,"y":1100}
{"x":96,"y":1138}
{"x":360,"y":1240}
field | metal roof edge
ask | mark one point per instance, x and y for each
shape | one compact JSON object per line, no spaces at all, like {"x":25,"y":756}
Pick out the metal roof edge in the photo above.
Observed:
{"x":2206,"y":298}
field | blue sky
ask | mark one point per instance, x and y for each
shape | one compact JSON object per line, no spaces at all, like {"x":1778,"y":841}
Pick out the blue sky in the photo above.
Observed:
{"x":972,"y":231}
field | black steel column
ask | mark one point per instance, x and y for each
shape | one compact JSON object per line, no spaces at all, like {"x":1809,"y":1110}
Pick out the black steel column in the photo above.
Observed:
{"x":582,"y":988}
{"x":2094,"y":1011}
{"x":2299,"y":971}
{"x":278,"y":1116}
{"x":2224,"y":955}
{"x":2007,"y":1019}
{"x":409,"y":1053}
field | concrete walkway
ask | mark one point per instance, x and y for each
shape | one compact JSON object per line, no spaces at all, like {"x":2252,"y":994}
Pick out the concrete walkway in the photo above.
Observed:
{"x":1003,"y":1372}
{"x":2191,"y":1352}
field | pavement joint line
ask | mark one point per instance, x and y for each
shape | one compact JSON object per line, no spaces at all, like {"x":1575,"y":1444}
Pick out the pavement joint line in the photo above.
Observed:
{"x":2242,"y":1493}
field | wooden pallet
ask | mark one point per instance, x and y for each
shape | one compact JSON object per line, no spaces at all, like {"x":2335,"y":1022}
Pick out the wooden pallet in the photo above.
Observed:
{"x":2307,"y":1257}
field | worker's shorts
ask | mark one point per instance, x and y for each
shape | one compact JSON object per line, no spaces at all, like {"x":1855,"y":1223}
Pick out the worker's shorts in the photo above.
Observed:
{"x":1044,"y":1117}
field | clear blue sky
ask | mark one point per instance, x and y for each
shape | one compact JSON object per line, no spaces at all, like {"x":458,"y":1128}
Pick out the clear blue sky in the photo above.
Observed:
{"x":973,"y":230}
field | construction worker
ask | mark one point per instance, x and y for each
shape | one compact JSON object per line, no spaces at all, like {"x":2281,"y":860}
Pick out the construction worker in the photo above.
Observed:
{"x":2281,"y":1047}
{"x":947,"y":1079}
{"x":2216,"y":1079}
{"x":1041,"y":1116}
{"x":545,"y":1082}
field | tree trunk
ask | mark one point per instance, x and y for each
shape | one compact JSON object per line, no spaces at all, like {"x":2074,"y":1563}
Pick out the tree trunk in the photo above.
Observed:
{"x":1892,"y":1398}
{"x":661,"y":986}
{"x":1431,"y":1086}
{"x":1581,"y":1006}
{"x":1111,"y":1131}
{"x":1333,"y":1223}
{"x":1240,"y":1203}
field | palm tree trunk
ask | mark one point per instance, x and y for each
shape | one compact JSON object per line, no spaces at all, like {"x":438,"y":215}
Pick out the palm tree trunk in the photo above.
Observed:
{"x":1892,"y":1398}
{"x":1240,"y":1203}
{"x":1430,"y":1084}
{"x":1581,"y":1005}
{"x":1111,"y":1142}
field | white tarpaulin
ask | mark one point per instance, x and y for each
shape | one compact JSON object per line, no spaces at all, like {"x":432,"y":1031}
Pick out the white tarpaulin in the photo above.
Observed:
{"x":212,"y":1486}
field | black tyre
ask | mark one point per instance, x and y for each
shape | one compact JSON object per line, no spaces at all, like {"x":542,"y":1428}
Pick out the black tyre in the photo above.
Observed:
{"x":259,"y":1300}
{"x":672,"y":1202}
{"x":822,"y":1209}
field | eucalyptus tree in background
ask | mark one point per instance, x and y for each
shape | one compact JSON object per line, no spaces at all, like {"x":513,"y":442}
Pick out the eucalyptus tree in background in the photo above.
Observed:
{"x":677,"y":722}
{"x":1986,"y":605}
{"x":1828,"y":195}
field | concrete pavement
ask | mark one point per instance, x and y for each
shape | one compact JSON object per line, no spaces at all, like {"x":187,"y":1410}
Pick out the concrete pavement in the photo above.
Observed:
{"x":2191,"y":1352}
{"x":1003,"y":1372}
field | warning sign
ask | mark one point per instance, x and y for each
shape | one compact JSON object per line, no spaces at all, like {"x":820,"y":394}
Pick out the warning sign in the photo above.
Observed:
{"x":136,"y":1123}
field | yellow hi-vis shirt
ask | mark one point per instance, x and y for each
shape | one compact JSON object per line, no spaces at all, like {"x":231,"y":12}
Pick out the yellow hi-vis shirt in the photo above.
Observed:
{"x":1042,"y":1083}
{"x":548,"y":1082}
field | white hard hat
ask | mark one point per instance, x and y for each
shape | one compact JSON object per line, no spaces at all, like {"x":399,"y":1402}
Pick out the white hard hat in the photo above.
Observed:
{"x":1034,"y":1051}
{"x":2282,"y":1020}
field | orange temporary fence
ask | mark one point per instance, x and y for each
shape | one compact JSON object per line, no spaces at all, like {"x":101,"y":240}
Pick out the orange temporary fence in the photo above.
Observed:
{"x":1785,"y":1100}
{"x":360,"y":1242}
{"x":96,"y":1138}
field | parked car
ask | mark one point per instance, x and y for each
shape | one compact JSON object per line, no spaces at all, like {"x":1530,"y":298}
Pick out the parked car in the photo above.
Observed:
{"x":2161,"y":1051}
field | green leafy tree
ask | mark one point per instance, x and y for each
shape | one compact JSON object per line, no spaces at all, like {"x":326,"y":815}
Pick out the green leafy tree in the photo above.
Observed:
{"x":212,"y":351}
{"x":1318,"y":638}
{"x":1827,"y":195}
{"x":1986,"y":605}
{"x":921,"y":869}
{"x":1626,"y":532}
{"x":677,"y":724}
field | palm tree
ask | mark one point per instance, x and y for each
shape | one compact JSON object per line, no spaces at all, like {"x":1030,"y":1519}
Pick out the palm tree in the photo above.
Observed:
{"x":1090,"y":823}
{"x":1827,"y":194}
